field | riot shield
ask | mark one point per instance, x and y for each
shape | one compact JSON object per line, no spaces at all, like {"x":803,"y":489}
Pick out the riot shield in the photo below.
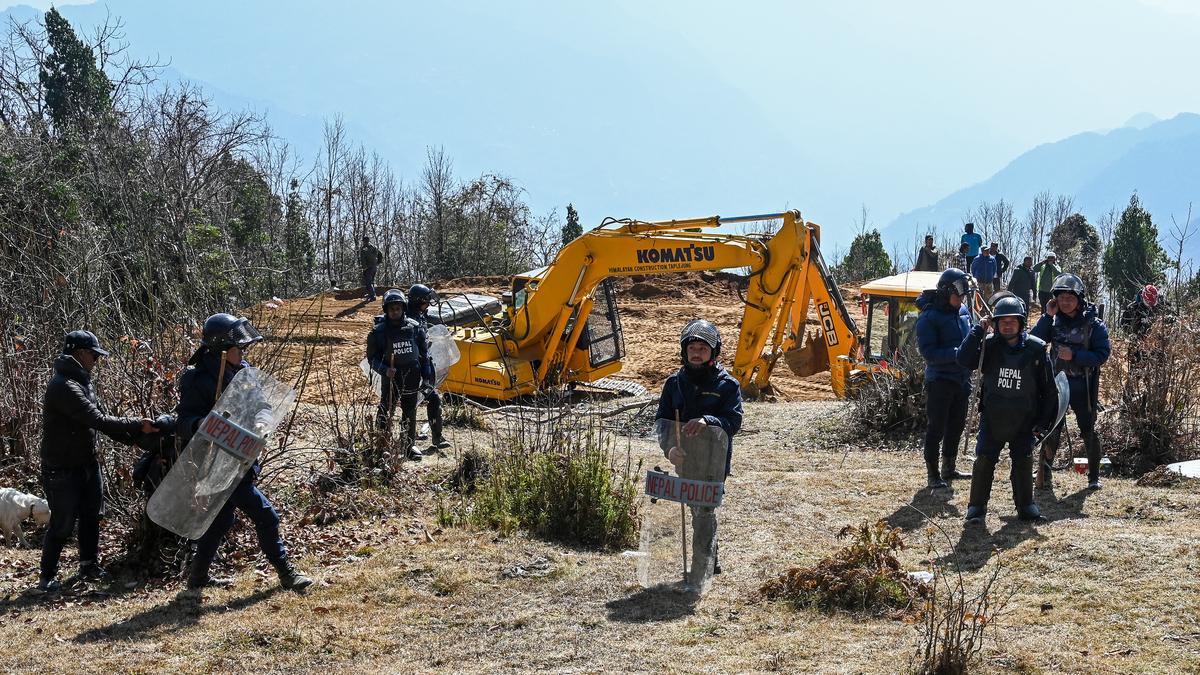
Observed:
{"x":225,"y":445}
{"x":672,"y":551}
{"x":1064,"y":400}
{"x":443,"y":351}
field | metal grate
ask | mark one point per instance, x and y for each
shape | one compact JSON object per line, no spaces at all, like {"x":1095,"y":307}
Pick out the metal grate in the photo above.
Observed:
{"x":605,"y":341}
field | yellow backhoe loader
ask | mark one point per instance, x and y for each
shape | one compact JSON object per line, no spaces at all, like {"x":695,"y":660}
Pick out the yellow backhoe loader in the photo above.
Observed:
{"x":559,"y":324}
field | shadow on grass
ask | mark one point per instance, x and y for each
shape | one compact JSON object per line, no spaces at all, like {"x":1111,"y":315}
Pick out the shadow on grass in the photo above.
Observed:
{"x":976,"y":545}
{"x":664,"y":602}
{"x":925,"y":503}
{"x":182,"y":612}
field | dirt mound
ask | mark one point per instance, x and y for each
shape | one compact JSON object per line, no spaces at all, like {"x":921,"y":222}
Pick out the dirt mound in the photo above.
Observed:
{"x":643,"y":290}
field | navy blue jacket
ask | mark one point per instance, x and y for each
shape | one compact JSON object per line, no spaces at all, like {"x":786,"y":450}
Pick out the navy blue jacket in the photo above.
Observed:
{"x":713,"y":395}
{"x":940,"y":330}
{"x":379,"y":345}
{"x":198,"y":392}
{"x":1088,"y":357}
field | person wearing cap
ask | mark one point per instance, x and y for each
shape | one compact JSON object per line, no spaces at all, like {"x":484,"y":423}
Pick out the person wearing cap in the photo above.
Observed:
{"x":1018,"y":401}
{"x":228,"y":337}
{"x":927,"y":256}
{"x":1079,"y":346}
{"x":984,"y":271}
{"x":942,"y":325}
{"x":1139,"y":316}
{"x":71,"y":416}
{"x":368,"y":261}
{"x":1047,"y":271}
{"x":398,"y":349}
{"x":702,"y":393}
{"x":973,"y":241}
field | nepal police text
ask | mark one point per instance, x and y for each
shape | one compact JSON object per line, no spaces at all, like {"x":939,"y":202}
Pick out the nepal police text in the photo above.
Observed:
{"x":691,"y":253}
{"x":1010,"y":378}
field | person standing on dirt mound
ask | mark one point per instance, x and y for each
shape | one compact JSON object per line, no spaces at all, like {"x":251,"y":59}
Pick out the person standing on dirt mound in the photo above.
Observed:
{"x":1079,"y":346}
{"x":420,"y":297}
{"x":71,"y":416}
{"x":942,"y":326}
{"x":368,"y":262}
{"x":228,"y":337}
{"x":398,"y":351}
{"x":702,"y":393}
{"x":1017,"y":402}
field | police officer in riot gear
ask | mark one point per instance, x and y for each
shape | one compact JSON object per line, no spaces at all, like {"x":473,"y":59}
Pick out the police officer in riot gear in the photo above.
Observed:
{"x":228,"y":337}
{"x":420,"y":298}
{"x":398,"y":351}
{"x":702,"y":393}
{"x":942,"y":325}
{"x":1017,"y":402}
{"x":1079,"y":346}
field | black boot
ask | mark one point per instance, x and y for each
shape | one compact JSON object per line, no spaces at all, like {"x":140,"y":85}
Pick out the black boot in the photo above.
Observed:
{"x":199,"y":577}
{"x":1091,"y":444}
{"x":439,"y":441}
{"x":949,"y":472}
{"x":983,"y":473}
{"x":1022,"y":485}
{"x":291,"y":578}
{"x":935,"y":481}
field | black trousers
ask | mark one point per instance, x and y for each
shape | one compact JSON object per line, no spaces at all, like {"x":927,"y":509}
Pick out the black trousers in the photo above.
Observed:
{"x":74,"y":495}
{"x":946,"y":415}
{"x":403,"y":388}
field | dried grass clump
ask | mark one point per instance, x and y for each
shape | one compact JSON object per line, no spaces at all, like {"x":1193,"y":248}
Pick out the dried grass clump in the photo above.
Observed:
{"x":864,"y":576}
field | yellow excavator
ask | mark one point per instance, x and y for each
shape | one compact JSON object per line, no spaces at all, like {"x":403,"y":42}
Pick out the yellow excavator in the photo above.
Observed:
{"x":559,"y":324}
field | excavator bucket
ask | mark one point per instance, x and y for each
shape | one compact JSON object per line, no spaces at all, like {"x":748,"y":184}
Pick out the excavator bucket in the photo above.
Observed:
{"x":809,"y":359}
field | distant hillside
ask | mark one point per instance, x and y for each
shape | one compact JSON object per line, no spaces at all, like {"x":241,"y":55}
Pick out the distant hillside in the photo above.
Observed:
{"x":1160,"y":160}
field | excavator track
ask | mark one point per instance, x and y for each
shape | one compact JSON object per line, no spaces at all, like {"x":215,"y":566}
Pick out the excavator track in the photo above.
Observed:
{"x":616,"y":385}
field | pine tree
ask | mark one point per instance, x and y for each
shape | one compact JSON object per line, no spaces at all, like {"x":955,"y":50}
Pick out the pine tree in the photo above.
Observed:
{"x":1134,"y":258}
{"x":77,"y":92}
{"x":1078,"y":246}
{"x":572,"y":230}
{"x":867,"y":259}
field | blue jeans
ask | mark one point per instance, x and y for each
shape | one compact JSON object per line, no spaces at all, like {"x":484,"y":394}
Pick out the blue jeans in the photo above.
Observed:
{"x":74,"y":495}
{"x":249,"y":500}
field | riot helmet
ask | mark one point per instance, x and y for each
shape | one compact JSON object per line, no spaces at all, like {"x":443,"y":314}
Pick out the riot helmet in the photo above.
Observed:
{"x":953,"y":280}
{"x":704,"y":331}
{"x":222,"y":331}
{"x":1069,"y":283}
{"x":419,"y":293}
{"x":392,"y":296}
{"x":1009,"y":305}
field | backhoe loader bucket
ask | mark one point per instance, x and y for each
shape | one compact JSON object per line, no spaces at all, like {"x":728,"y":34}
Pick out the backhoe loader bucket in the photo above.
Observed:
{"x":810,"y":359}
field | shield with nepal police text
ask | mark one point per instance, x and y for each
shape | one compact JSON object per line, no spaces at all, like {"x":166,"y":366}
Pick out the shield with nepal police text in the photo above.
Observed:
{"x":226,"y":443}
{"x":679,"y":524}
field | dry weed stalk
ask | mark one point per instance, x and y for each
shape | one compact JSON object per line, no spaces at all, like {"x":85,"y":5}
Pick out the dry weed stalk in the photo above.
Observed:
{"x":886,"y":403}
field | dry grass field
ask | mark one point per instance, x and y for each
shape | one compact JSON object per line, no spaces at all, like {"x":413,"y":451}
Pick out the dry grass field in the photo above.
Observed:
{"x":1110,"y":584}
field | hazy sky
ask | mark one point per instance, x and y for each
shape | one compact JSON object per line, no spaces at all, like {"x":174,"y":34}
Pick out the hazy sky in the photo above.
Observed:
{"x":678,"y":108}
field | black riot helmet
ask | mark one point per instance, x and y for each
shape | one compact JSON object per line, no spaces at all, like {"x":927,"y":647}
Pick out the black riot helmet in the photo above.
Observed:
{"x":1069,"y":283}
{"x":953,"y":280}
{"x":392,"y":296}
{"x":222,"y":331}
{"x":706,"y":332}
{"x":419,"y":293}
{"x":1009,"y":305}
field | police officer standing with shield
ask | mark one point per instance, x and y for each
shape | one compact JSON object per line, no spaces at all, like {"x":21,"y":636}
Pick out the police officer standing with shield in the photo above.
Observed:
{"x":1017,"y":402}
{"x":702,"y":393}
{"x":398,"y":351}
{"x":420,"y":297}
{"x":224,"y":343}
{"x":1079,"y":346}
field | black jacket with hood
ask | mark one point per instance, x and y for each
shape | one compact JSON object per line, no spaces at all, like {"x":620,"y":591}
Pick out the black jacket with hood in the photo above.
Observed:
{"x":71,"y":416}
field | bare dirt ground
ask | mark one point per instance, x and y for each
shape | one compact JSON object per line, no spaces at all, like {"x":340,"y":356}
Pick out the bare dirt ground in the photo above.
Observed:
{"x":1108,"y":585}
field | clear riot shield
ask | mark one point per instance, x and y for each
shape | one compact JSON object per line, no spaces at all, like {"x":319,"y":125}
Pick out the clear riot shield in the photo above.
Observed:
{"x":671,"y":550}
{"x":225,"y":445}
{"x":443,"y":351}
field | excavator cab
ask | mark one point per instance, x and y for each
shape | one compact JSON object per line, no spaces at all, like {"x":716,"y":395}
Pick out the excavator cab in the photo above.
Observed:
{"x":890,"y":306}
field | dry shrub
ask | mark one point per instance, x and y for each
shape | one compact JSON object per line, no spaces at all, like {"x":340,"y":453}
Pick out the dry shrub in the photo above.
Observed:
{"x":864,"y":576}
{"x":1156,"y":418}
{"x":953,"y":620}
{"x":885,"y":403}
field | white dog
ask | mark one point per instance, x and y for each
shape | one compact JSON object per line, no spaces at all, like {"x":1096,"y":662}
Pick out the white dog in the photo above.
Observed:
{"x":17,"y":506}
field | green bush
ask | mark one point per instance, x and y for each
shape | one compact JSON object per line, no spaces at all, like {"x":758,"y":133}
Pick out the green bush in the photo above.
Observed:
{"x":566,"y":484}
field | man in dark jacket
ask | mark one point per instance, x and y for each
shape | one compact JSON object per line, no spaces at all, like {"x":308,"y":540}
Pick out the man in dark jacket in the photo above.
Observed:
{"x":228,"y":337}
{"x":398,"y":350}
{"x":420,"y":297}
{"x":1017,"y":401}
{"x":1078,"y":346}
{"x":1002,"y":265}
{"x":1139,"y":316}
{"x":942,"y":326}
{"x":1023,"y":284}
{"x":927,"y":256}
{"x":702,"y":393}
{"x":71,"y":416}
{"x":368,"y":261}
